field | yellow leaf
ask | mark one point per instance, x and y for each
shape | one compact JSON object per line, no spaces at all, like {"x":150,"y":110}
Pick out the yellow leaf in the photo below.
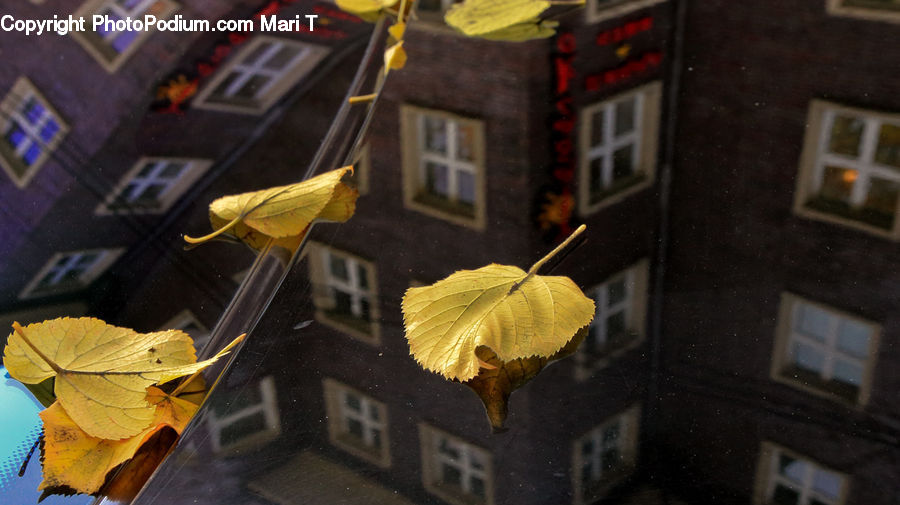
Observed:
{"x":369,"y":10}
{"x":497,"y":379}
{"x":514,"y":20}
{"x":282,"y":213}
{"x":71,"y":458}
{"x":394,"y":57}
{"x":102,"y":371}
{"x":397,"y":30}
{"x":513,"y":313}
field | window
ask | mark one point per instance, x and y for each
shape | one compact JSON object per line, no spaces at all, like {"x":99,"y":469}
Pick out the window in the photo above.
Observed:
{"x":883,"y":10}
{"x":110,"y":47}
{"x":605,"y":455}
{"x":153,"y":185}
{"x":824,"y":350}
{"x":850,"y":168}
{"x":357,"y":423}
{"x":259,"y":74}
{"x":31,"y":129}
{"x":71,"y":271}
{"x":443,"y":165}
{"x":455,"y":470}
{"x":187,"y":322}
{"x":617,"y":142}
{"x":786,"y":478}
{"x":618,"y":325}
{"x":600,"y":10}
{"x":244,"y":419}
{"x":344,"y":292}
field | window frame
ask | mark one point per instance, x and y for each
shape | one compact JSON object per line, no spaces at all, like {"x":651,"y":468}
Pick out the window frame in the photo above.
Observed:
{"x":595,"y":14}
{"x":816,"y":139}
{"x":637,"y":278}
{"x":319,"y":273}
{"x":630,"y":420}
{"x":767,"y":475}
{"x":781,"y":357}
{"x":184,"y":319}
{"x":411,"y":137}
{"x":105,"y":260}
{"x":870,"y":13}
{"x":338,"y":433}
{"x":18,"y":96}
{"x":194,"y":169}
{"x":268,"y":406}
{"x":283,"y":80}
{"x":97,"y":46}
{"x":429,"y":439}
{"x":646,"y":138}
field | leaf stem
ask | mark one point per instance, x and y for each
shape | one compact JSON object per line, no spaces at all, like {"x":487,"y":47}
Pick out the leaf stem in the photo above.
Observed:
{"x":362,"y":98}
{"x":534,"y":268}
{"x":21,"y":331}
{"x":205,"y":238}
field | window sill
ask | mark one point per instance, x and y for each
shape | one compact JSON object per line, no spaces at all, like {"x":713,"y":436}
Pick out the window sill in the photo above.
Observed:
{"x":455,"y":212}
{"x":813,"y":383}
{"x":360,"y":329}
{"x":616,"y":193}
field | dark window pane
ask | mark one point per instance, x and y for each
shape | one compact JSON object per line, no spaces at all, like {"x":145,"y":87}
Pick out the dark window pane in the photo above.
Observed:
{"x":615,"y":325}
{"x":623,"y":162}
{"x":837,"y":183}
{"x":258,"y":51}
{"x":436,"y":179}
{"x":465,"y":142}
{"x":597,"y":128}
{"x":625,"y":112}
{"x":448,"y":449}
{"x":338,"y":267}
{"x":172,"y":170}
{"x":596,"y":168}
{"x":34,"y":111}
{"x":15,"y":136}
{"x":477,"y":487}
{"x":342,"y":303}
{"x":253,"y":86}
{"x":32,"y":154}
{"x":49,"y":130}
{"x":282,"y":58}
{"x":355,"y":428}
{"x":243,"y":428}
{"x":616,"y":292}
{"x":123,"y":41}
{"x":362,"y":276}
{"x":376,"y":438}
{"x":451,"y":475}
{"x":352,"y":401}
{"x":466,"y":187}
{"x":785,"y":496}
{"x":888,"y":150}
{"x":435,"y":134}
{"x":883,"y":196}
{"x":611,"y":459}
{"x":846,"y":133}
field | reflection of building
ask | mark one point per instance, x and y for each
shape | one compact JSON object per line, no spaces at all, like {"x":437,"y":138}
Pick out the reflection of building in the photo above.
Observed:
{"x":741,"y":247}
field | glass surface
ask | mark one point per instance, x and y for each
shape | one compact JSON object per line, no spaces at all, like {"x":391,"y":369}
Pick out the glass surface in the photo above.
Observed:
{"x":749,"y":358}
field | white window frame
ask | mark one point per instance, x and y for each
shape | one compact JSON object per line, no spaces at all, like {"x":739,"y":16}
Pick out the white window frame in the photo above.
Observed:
{"x":873,"y":13}
{"x":22,"y":92}
{"x":412,"y":130}
{"x":768,"y":477}
{"x":281,"y":82}
{"x":105,"y":259}
{"x":339,"y":416}
{"x":634,"y":305}
{"x":117,"y":203}
{"x":786,"y":335}
{"x":594,"y":13}
{"x":644,"y":138}
{"x":430,"y":439}
{"x":627,"y":444}
{"x":100,"y":47}
{"x":268,"y":406}
{"x":324,"y":282}
{"x":815,"y":157}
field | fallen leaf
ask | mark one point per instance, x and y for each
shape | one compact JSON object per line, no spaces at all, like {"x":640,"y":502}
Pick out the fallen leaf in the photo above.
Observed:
{"x":516,"y":314}
{"x":102,"y":371}
{"x":397,"y":30}
{"x":282,"y":213}
{"x":369,"y":10}
{"x":394,"y":57}
{"x":514,"y":20}
{"x":73,"y":459}
{"x":497,"y":379}
{"x":128,"y":480}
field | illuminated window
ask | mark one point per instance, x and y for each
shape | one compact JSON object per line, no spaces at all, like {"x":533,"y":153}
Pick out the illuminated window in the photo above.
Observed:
{"x":109,"y":46}
{"x":357,"y":423}
{"x":824,"y":350}
{"x":248,"y":418}
{"x":443,"y":165}
{"x":850,"y":168}
{"x":70,"y":271}
{"x":31,"y":129}
{"x":605,"y":455}
{"x":153,"y":185}
{"x":344,"y":292}
{"x":618,"y":141}
{"x":786,"y":478}
{"x":454,"y":470}
{"x":618,"y":325}
{"x":601,"y":10}
{"x":878,"y":10}
{"x":259,"y":74}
